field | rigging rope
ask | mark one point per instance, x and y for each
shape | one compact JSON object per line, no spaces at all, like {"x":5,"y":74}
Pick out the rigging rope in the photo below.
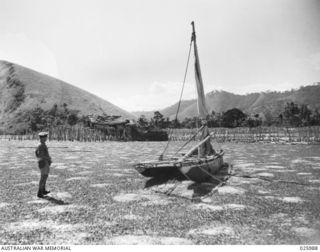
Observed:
{"x":267,"y":179}
{"x":176,"y":117}
{"x":190,"y":139}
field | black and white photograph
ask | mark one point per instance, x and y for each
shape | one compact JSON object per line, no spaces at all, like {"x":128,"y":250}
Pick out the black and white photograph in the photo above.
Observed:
{"x":159,"y":122}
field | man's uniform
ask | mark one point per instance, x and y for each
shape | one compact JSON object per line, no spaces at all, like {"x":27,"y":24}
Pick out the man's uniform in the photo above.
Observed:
{"x":44,"y":162}
{"x":44,"y":159}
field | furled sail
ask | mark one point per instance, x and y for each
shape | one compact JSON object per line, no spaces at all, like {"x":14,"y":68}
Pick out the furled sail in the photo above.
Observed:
{"x":202,"y":108}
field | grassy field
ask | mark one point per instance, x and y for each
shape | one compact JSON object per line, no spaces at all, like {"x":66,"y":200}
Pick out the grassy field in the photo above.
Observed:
{"x":98,"y":198}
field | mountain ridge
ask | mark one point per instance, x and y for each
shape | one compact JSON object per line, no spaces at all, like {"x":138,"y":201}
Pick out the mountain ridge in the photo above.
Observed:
{"x":270,"y":102}
{"x":22,"y":89}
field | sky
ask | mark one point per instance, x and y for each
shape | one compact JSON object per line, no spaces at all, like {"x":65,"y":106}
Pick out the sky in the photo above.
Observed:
{"x":133,"y":53}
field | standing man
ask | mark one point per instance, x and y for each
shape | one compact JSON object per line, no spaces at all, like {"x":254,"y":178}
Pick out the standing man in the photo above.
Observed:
{"x":44,"y":162}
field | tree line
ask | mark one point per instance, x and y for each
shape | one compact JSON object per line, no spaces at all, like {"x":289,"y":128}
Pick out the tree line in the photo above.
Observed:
{"x":293,"y":115}
{"x":38,"y":119}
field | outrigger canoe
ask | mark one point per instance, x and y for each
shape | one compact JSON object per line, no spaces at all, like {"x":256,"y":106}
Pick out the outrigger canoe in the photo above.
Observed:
{"x":192,"y":167}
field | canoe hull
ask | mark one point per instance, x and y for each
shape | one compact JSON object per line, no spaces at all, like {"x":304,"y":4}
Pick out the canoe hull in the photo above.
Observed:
{"x":156,"y":171}
{"x":195,"y":169}
{"x":203,"y":169}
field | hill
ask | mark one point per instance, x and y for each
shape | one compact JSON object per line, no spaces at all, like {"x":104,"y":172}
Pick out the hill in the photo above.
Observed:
{"x":23,"y":89}
{"x":255,"y":103}
{"x":169,"y":111}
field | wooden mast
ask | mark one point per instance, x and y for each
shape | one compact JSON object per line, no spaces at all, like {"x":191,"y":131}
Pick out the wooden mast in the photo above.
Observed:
{"x":202,"y":108}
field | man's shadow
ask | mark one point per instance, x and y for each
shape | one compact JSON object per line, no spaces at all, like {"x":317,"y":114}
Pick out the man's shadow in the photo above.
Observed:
{"x":54,"y":200}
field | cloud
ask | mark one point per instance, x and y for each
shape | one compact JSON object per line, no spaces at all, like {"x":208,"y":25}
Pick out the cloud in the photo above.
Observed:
{"x":19,"y":48}
{"x":163,"y":94}
{"x":314,"y":60}
{"x":158,"y":96}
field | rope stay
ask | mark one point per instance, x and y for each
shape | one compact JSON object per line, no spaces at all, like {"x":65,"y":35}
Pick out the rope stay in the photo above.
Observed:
{"x":199,"y":79}
{"x":189,"y":140}
{"x":179,"y":103}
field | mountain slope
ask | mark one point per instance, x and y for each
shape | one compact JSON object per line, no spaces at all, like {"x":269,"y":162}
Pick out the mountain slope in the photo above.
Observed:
{"x":254,"y":103}
{"x":22,"y":89}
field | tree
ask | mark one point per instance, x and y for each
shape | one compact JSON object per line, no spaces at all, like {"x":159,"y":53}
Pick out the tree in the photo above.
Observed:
{"x":53,"y":111}
{"x":36,"y":119}
{"x":253,"y":121}
{"x":315,"y":119}
{"x":167,"y":123}
{"x":211,"y":119}
{"x":218,"y":119}
{"x":296,"y":116}
{"x":291,"y":114}
{"x":72,"y":119}
{"x":189,"y":123}
{"x":176,"y":124}
{"x":142,"y":121}
{"x":233,"y":118}
{"x":305,"y":115}
{"x":158,"y":119}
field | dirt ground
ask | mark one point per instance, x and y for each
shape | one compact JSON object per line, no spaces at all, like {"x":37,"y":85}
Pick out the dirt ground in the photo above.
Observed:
{"x":98,"y":198}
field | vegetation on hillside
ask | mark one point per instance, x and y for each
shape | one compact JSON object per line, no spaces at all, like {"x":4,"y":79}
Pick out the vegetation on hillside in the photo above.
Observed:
{"x":27,"y":93}
{"x":31,"y":101}
{"x":38,"y":119}
{"x":263,"y":103}
{"x":292,"y":115}
{"x":14,"y":91}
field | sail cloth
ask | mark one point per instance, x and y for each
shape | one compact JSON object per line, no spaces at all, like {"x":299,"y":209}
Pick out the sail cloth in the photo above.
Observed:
{"x":205,"y":148}
{"x":202,"y":108}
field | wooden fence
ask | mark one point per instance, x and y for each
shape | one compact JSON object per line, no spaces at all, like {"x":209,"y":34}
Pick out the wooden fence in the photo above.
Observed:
{"x":247,"y":135}
{"x":259,"y":134}
{"x":63,"y":133}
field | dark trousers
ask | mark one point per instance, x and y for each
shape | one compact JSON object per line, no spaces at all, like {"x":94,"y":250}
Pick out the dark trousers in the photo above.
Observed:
{"x":42,"y":183}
